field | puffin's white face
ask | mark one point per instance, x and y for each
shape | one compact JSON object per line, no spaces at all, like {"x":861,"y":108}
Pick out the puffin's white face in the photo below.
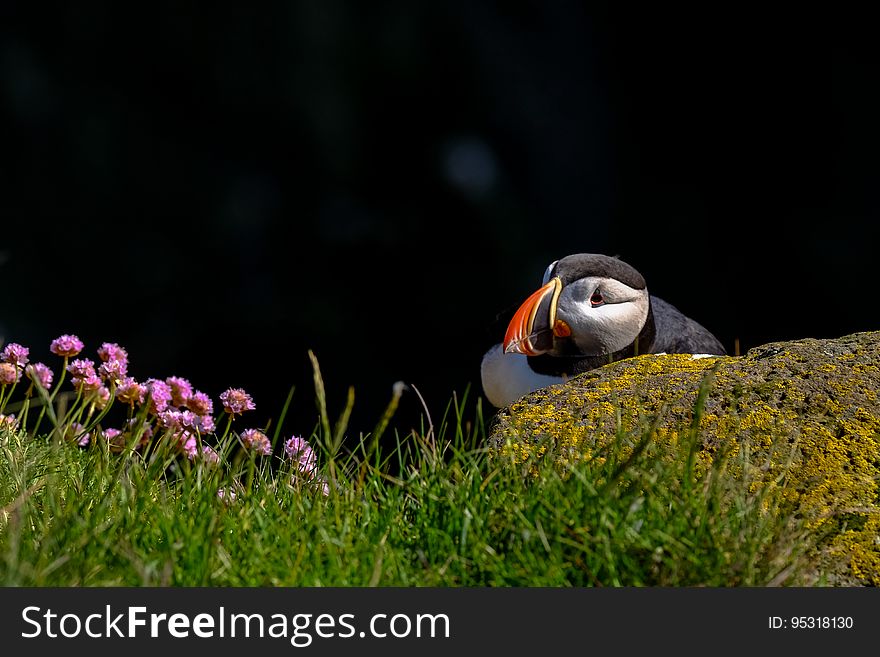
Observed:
{"x":593,"y":315}
{"x":604,"y":315}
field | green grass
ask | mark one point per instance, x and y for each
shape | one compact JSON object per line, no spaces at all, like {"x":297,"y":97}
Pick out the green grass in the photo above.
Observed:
{"x":434,"y":509}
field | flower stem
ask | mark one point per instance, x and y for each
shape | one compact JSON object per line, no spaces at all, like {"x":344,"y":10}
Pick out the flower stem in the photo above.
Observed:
{"x":228,"y":426}
{"x":49,"y":400}
{"x":24,"y":412}
{"x":4,"y":400}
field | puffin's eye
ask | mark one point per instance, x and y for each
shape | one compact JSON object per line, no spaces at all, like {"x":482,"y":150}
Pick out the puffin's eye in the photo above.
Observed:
{"x":596,"y":299}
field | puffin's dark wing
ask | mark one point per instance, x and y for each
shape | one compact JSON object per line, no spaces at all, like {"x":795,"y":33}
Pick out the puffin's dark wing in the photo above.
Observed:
{"x":679,"y":334}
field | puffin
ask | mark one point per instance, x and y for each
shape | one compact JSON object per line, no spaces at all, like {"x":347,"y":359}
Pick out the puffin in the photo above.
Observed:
{"x":590,"y":310}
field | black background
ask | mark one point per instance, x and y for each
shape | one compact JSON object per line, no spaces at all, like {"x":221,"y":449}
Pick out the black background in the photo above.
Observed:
{"x":222,"y":188}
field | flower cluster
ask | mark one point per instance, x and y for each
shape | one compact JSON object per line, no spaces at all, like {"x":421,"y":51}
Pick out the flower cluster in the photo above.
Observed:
{"x":114,"y":362}
{"x":66,"y":345}
{"x":85,"y":379}
{"x":9,"y":374}
{"x":200,"y":404}
{"x":166,"y":411}
{"x":157,"y":407}
{"x":228,"y":495}
{"x":40,"y":374}
{"x":236,"y":401}
{"x":181,"y":390}
{"x":13,"y":358}
{"x":256,"y":441}
{"x":15,"y":354}
{"x":131,"y":392}
{"x":305,"y":464}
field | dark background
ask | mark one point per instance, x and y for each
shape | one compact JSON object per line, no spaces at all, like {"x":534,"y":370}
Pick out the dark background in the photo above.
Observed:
{"x":221,"y":189}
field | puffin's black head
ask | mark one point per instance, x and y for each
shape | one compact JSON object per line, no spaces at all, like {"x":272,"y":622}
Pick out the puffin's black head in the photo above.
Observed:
{"x":589,"y":305}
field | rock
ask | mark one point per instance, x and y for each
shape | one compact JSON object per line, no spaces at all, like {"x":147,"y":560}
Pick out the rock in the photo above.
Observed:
{"x":809,"y":407}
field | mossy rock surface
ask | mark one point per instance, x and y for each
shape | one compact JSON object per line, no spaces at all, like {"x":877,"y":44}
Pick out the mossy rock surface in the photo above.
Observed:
{"x":806,"y":409}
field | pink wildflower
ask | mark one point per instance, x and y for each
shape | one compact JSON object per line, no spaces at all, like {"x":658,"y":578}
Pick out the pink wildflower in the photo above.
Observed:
{"x":172,"y":419}
{"x":115,"y":438}
{"x":66,"y":345}
{"x":86,"y":384}
{"x":181,"y":390}
{"x":8,"y":422}
{"x":82,"y":368}
{"x":200,"y":404}
{"x":84,"y":377}
{"x":227,"y":495}
{"x":189,"y":444}
{"x":309,"y":479}
{"x":189,"y":420}
{"x":73,"y":433}
{"x":9,"y":374}
{"x":41,"y":374}
{"x":299,"y":450}
{"x":113,"y":370}
{"x":169,"y":419}
{"x":130,"y":391}
{"x":256,"y":441}
{"x":160,"y":395}
{"x":206,"y":424}
{"x":15,"y":354}
{"x":112,"y":351}
{"x":210,"y":455}
{"x":102,"y":398}
{"x":236,"y":401}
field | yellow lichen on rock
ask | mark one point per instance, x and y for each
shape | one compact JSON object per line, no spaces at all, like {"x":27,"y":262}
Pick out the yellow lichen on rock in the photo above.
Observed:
{"x":807,"y":410}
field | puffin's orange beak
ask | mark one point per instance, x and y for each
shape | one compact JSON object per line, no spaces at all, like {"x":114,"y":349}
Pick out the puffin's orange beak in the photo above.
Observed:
{"x":530,"y":332}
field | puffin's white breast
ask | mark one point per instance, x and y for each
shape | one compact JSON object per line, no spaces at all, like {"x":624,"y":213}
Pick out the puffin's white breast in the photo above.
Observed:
{"x":507,"y":377}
